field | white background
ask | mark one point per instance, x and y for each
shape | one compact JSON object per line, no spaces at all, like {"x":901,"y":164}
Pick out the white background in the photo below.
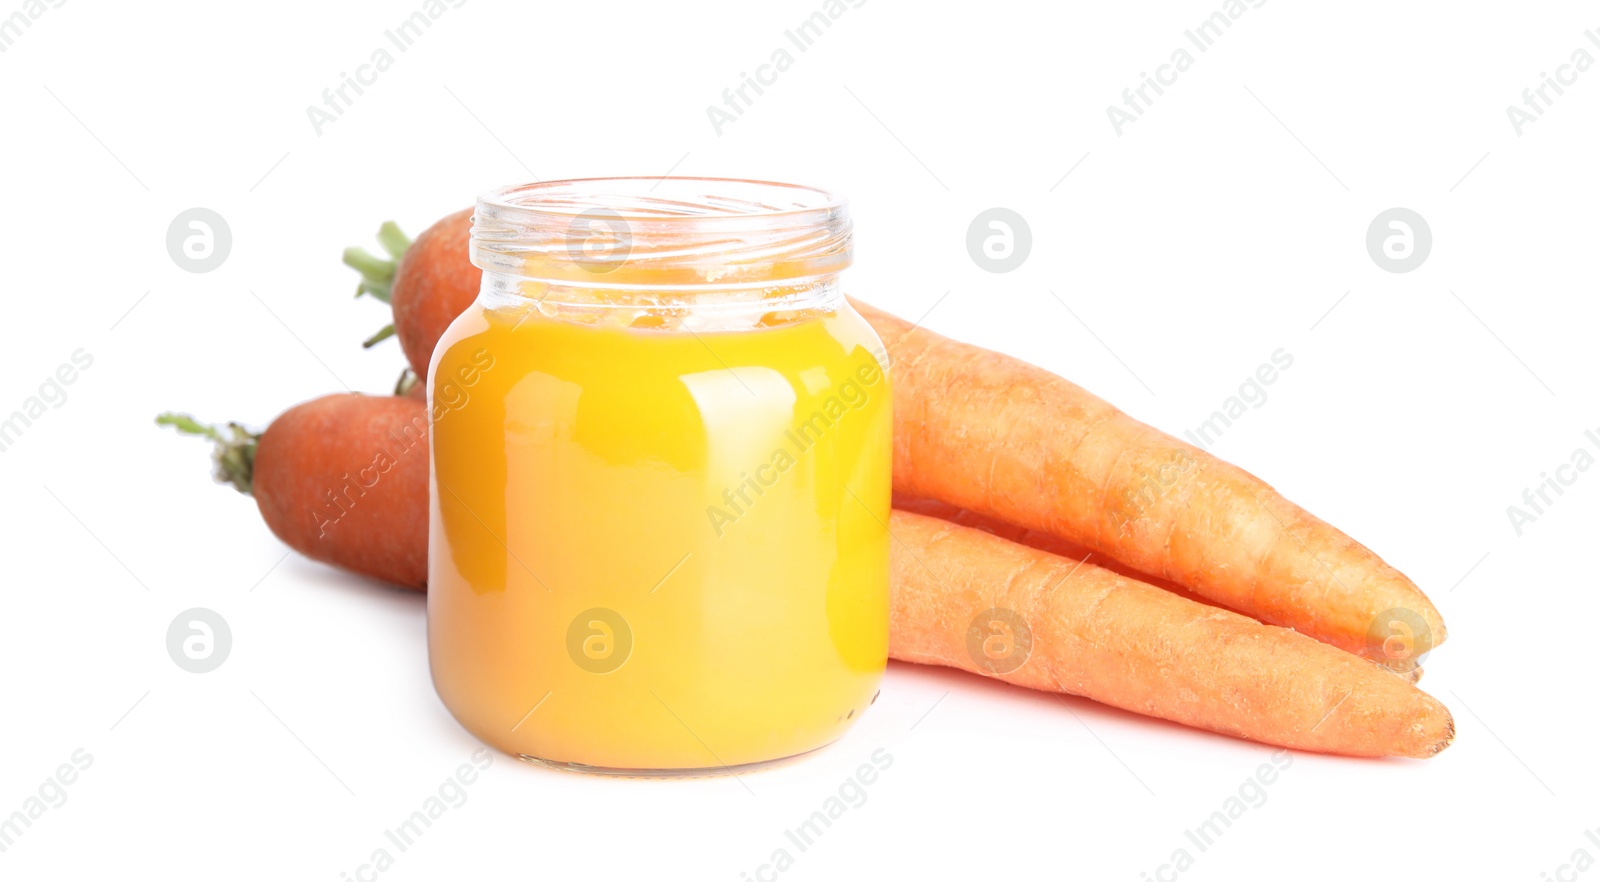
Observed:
{"x":1169,"y":264}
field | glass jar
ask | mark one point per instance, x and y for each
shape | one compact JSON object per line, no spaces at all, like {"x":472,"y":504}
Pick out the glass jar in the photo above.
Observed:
{"x":660,"y":490}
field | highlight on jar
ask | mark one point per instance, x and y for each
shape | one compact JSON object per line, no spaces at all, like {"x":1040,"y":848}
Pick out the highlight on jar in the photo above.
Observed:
{"x":646,"y":485}
{"x":658,"y":530}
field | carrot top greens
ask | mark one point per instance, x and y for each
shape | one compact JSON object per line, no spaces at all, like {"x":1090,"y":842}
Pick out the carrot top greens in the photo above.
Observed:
{"x":233,"y":450}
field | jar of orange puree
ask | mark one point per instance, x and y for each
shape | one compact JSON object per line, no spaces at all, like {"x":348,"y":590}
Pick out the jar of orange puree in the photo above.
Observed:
{"x":660,"y":493}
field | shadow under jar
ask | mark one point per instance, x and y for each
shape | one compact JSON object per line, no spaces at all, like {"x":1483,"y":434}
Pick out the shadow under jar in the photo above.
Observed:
{"x":660,"y":493}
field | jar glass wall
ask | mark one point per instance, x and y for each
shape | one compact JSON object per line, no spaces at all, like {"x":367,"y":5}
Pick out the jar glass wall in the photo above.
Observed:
{"x":660,"y":490}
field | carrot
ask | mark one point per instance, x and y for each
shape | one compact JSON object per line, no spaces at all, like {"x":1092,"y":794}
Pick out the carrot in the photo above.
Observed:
{"x":966,"y":599}
{"x":1013,"y":443}
{"x":341,"y":479}
{"x":427,"y":283}
{"x":993,"y":434}
{"x":1060,"y":547}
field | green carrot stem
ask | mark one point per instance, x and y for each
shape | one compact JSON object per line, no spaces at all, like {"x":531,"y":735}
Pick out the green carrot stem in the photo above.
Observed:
{"x":370,"y":267}
{"x":233,"y":448}
{"x":393,"y":240}
{"x":376,"y":290}
{"x":188,"y":425}
{"x":408,"y":381}
{"x":383,"y":334}
{"x":377,"y":273}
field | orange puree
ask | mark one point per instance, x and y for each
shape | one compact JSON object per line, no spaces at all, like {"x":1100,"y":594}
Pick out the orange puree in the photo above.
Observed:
{"x":655,"y":548}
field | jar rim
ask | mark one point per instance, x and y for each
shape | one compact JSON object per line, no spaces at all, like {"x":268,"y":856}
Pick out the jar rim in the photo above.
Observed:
{"x":652,"y":231}
{"x":589,"y":194}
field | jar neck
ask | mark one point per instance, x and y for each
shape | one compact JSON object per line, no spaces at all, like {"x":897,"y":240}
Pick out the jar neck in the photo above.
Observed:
{"x":702,"y":243}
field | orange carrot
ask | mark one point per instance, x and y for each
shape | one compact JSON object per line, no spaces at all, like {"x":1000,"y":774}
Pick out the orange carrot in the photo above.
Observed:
{"x":427,"y":283}
{"x":1406,"y":668}
{"x":342,"y":479}
{"x":966,"y":599}
{"x":990,"y":433}
{"x":1014,"y":443}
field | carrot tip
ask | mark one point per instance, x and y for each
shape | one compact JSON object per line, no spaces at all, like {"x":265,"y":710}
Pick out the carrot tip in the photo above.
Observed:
{"x":1438,"y":747}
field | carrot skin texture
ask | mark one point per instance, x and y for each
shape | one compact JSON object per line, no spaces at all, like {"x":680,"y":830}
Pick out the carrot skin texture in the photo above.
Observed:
{"x":1062,"y":548}
{"x":343,"y":479}
{"x":434,"y":282}
{"x":1059,"y":460}
{"x":1131,"y":645}
{"x":1035,"y":540}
